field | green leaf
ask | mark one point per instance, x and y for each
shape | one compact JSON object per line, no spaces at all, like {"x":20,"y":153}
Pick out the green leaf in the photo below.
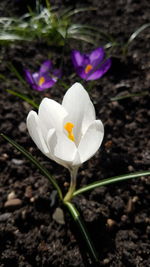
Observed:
{"x":23,"y":97}
{"x":71,"y":12}
{"x":11,"y":37}
{"x":81,"y":226}
{"x":117,"y":98}
{"x":110,"y":181}
{"x":82,"y":37}
{"x":42,"y":169}
{"x":133,"y":36}
{"x":16,"y":72}
{"x":44,"y":24}
{"x":137,"y":32}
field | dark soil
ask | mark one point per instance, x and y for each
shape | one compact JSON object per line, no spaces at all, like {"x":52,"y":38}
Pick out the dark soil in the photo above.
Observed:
{"x":117,"y":215}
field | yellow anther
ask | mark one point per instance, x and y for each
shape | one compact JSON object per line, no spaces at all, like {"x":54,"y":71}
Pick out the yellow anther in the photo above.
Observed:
{"x":68,"y":127}
{"x":88,"y":68}
{"x":41,"y":81}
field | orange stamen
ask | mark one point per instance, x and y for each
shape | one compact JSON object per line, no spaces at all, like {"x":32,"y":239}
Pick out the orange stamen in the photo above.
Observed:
{"x":41,"y":81}
{"x":68,"y":127}
{"x":88,"y":68}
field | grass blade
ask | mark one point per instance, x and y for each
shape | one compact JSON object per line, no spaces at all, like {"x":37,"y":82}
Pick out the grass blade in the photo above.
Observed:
{"x":12,"y":68}
{"x":71,"y":12}
{"x":23,"y":97}
{"x":137,"y":32}
{"x":43,"y":170}
{"x":81,"y":226}
{"x":110,"y":181}
{"x":84,"y":38}
{"x":132,"y":37}
{"x":117,"y":98}
{"x":12,"y":37}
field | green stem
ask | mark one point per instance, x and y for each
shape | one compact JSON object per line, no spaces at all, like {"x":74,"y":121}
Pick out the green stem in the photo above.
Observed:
{"x":73,"y":174}
{"x":81,"y":226}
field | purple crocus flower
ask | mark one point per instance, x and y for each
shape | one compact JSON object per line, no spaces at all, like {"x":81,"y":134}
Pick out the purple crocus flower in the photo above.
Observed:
{"x":91,"y":66}
{"x":45,"y":78}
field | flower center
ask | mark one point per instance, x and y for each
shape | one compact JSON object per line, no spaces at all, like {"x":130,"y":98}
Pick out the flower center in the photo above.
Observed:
{"x":41,"y":81}
{"x":88,"y":68}
{"x":68,"y":127}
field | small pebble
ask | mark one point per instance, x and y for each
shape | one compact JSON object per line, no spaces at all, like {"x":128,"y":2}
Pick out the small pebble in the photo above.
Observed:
{"x":22,"y":127}
{"x":124,"y":218}
{"x":5,"y":216}
{"x":58,"y":216}
{"x":43,"y":246}
{"x":27,"y":106}
{"x":106,"y":261}
{"x":115,"y":104}
{"x":111,"y":223}
{"x":17,"y":161}
{"x":13,"y":203}
{"x":16,"y":232}
{"x":24,"y":214}
{"x":108,"y":144}
{"x":4,"y":157}
{"x":11,"y":195}
{"x":32,"y":199}
{"x":66,"y":184}
{"x":135,"y":199}
{"x":28,"y":192}
{"x":130,"y":206}
{"x":130,"y":168}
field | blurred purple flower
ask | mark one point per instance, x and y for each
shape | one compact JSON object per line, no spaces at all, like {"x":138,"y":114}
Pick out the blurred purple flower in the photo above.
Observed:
{"x":91,"y":66}
{"x":45,"y":78}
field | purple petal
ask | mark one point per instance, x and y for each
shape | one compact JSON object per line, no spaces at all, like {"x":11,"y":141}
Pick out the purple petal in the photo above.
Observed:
{"x":77,"y":58}
{"x":28,"y":76}
{"x":35,"y":77}
{"x":97,"y":54}
{"x":36,"y":87}
{"x":57,"y":73}
{"x":47,"y":84}
{"x":100,"y":72}
{"x":44,"y":86}
{"x":86,"y":60}
{"x":81,"y":72}
{"x":46,"y":76}
{"x":45,"y":67}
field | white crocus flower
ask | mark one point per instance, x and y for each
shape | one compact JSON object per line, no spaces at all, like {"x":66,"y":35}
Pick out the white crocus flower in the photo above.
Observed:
{"x":69,"y":133}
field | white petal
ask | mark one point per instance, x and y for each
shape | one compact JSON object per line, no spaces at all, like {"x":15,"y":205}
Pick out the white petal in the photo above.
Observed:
{"x":77,"y":160}
{"x":91,"y":140}
{"x":89,"y":117}
{"x":52,"y":114}
{"x":51,"y":139}
{"x":79,"y":107}
{"x":34,"y":128}
{"x":62,"y":149}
